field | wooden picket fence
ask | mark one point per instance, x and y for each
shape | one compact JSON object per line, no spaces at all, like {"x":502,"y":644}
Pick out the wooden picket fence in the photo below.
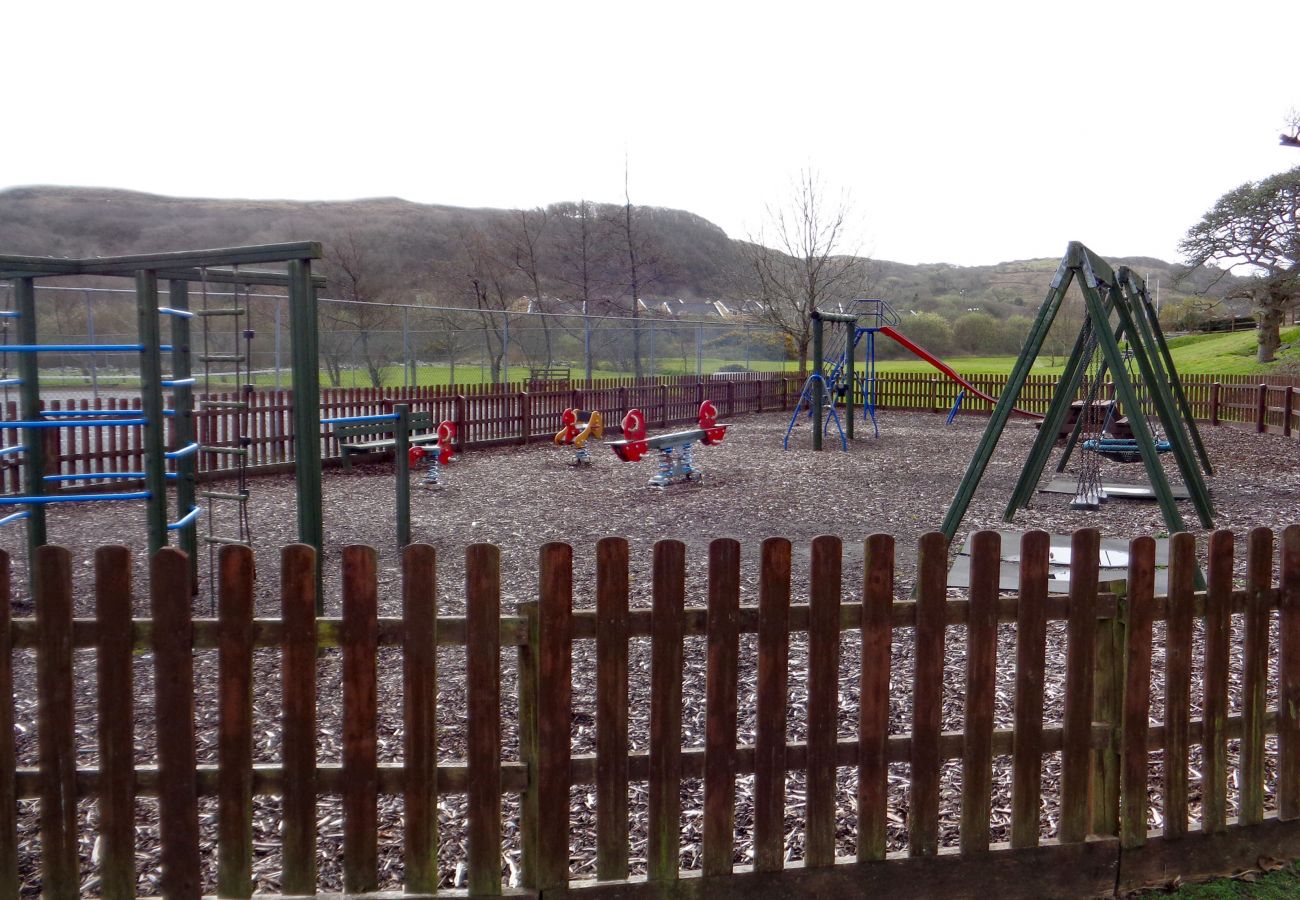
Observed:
{"x":1110,"y":753}
{"x":518,"y":413}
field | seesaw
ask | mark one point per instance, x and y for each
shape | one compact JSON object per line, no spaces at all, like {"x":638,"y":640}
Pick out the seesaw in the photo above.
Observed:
{"x":676,"y":450}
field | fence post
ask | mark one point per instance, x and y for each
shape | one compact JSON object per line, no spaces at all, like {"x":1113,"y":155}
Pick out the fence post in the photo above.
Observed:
{"x":757,"y":385}
{"x":525,"y":417}
{"x":1261,"y":409}
{"x":462,"y":421}
{"x":1288,"y":409}
{"x":622,"y":400}
{"x":402,"y":468}
{"x":1108,"y":709}
{"x":1215,"y":389}
{"x":699,"y":393}
{"x":663,"y":405}
{"x":934,"y":393}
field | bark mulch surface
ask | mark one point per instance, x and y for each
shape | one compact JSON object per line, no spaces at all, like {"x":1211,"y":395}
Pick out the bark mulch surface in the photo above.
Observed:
{"x":522,"y":497}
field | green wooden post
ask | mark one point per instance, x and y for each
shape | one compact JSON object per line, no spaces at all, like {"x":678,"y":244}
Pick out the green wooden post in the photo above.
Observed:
{"x":402,"y":465}
{"x":1002,"y":411}
{"x":1129,"y":401}
{"x":151,"y":405}
{"x":29,"y":403}
{"x":1175,"y":382}
{"x":178,"y":298}
{"x":305,"y":353}
{"x":1163,"y":403}
{"x":819,"y":386}
{"x":851,"y":346}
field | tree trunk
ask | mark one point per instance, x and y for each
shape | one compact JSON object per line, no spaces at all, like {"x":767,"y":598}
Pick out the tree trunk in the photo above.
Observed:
{"x":1270,"y":337}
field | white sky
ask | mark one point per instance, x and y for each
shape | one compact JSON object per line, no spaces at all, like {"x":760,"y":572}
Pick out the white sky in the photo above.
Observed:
{"x":968,"y":133}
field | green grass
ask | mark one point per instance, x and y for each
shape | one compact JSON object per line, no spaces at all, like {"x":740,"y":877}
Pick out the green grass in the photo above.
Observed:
{"x":1280,"y":884}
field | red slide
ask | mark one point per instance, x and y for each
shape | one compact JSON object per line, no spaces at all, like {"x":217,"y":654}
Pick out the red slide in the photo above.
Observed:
{"x":947,"y":370}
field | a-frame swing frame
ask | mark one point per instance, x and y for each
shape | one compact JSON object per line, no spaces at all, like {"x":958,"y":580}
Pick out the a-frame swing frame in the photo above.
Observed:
{"x":1105,"y":292}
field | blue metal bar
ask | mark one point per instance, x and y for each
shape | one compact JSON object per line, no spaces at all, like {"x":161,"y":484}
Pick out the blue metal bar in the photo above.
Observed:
{"x":14,"y":517}
{"x":179,"y":382}
{"x":72,"y":498}
{"x":16,"y":448}
{"x":347,"y":420}
{"x":99,"y":476}
{"x":187,"y":450}
{"x":184,"y":520}
{"x":89,"y":413}
{"x":10,"y":314}
{"x":77,"y":348}
{"x":10,"y":381}
{"x":95,"y":423}
{"x":181,"y":313}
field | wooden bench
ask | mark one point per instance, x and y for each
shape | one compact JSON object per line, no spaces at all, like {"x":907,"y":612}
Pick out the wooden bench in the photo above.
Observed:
{"x":548,"y":373}
{"x":421,"y":427}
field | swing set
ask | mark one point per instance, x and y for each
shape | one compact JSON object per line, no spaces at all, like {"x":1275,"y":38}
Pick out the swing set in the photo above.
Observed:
{"x":1148,"y":416}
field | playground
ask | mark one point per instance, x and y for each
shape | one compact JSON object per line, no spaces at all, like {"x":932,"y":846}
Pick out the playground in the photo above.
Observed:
{"x":521,"y":497}
{"x":331,"y":673}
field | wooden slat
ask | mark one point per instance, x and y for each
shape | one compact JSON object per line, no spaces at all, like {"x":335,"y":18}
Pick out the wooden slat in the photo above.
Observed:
{"x":873,"y":691}
{"x":664,"y":802}
{"x":1214,"y":700}
{"x":298,"y":722}
{"x":1137,"y":692}
{"x":116,"y":704}
{"x":1081,"y":636}
{"x":55,"y":723}
{"x":1259,"y":575}
{"x":419,"y":716}
{"x":235,"y":731}
{"x":927,"y":695}
{"x":1031,"y":654}
{"x":981,"y":681}
{"x":1288,"y":724}
{"x":483,"y":665}
{"x":611,"y":709}
{"x":360,"y":720}
{"x":178,"y":814}
{"x":773,"y":669}
{"x":720,"y":706}
{"x":1178,"y":684}
{"x":823,"y":697}
{"x":554,"y":712}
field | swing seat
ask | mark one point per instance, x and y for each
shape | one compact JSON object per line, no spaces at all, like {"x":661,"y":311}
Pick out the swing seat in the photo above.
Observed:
{"x":1122,"y":451}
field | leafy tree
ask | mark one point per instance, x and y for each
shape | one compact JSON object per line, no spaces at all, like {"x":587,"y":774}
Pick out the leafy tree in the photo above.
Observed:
{"x":928,"y":331}
{"x":1255,"y":228}
{"x":801,"y":263}
{"x":975,"y":332}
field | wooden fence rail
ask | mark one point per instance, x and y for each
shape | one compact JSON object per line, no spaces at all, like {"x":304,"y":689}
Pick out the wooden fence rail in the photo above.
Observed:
{"x":1104,"y":838}
{"x":488,"y":415}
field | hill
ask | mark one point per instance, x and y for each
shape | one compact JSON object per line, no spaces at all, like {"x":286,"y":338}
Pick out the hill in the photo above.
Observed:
{"x":406,"y":248}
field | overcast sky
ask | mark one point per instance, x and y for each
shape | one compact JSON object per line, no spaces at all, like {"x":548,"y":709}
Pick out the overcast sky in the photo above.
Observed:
{"x":968,"y":133}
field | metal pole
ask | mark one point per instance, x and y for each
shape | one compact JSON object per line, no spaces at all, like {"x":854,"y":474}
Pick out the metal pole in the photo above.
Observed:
{"x":407,"y":367}
{"x":155,"y":463}
{"x":402,"y":465}
{"x":178,"y":297}
{"x":819,"y":386}
{"x":29,"y":402}
{"x":277,"y":344}
{"x":699,"y":352}
{"x":744,"y":330}
{"x":852,"y":335}
{"x":94,"y":357}
{"x":505,"y":353}
{"x":305,"y":351}
{"x":654,"y":362}
{"x":586,"y":340}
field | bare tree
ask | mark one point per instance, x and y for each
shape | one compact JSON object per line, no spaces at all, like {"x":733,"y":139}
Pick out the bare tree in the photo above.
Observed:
{"x":524,"y":238}
{"x":1291,"y":137}
{"x":582,"y":253}
{"x":643,"y":265}
{"x":366,"y":311}
{"x":801,"y":262}
{"x":486,"y":280}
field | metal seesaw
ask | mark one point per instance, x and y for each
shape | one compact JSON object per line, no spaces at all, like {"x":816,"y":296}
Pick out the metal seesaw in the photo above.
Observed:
{"x":676,"y":450}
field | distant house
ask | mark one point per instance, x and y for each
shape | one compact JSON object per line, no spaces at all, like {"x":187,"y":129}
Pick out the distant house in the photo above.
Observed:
{"x":676,"y":308}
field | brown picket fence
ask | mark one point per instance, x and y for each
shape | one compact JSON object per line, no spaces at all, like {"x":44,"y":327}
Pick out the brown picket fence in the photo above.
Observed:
{"x":1101,"y":841}
{"x":521,"y":412}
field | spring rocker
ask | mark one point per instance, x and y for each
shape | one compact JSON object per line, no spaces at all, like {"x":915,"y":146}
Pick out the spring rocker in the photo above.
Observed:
{"x":672,"y":468}
{"x":440,"y":454}
{"x":577,"y":427}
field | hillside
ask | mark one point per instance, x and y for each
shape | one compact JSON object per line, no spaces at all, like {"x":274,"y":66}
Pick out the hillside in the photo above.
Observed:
{"x":412,"y":247}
